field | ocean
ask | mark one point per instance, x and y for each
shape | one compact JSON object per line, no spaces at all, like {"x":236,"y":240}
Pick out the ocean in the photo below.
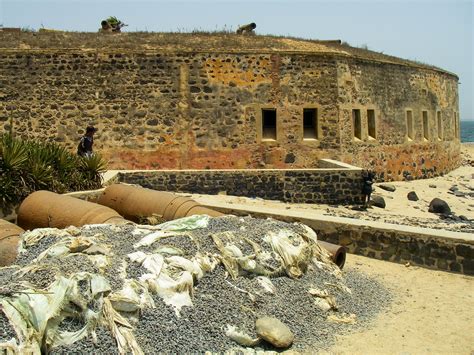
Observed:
{"x":467,"y":131}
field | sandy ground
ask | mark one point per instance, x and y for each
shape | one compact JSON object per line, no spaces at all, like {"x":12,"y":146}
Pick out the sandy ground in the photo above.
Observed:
{"x":399,"y":209}
{"x":432,"y":313}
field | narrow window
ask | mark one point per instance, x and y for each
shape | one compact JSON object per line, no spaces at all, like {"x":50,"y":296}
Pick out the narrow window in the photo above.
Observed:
{"x":310,"y":123}
{"x":371,"y":123}
{"x":440,"y":126}
{"x":455,"y":125}
{"x":269,"y":125}
{"x":410,"y":133}
{"x":425,"y":126}
{"x":357,"y":124}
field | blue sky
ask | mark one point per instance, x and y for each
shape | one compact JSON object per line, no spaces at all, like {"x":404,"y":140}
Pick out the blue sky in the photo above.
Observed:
{"x":437,"y":32}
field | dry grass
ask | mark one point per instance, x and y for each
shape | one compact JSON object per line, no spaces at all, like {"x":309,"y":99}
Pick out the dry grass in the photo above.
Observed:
{"x":196,"y":40}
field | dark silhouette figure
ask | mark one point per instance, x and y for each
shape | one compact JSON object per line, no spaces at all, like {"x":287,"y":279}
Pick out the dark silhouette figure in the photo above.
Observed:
{"x":368,"y":180}
{"x":84,"y":148}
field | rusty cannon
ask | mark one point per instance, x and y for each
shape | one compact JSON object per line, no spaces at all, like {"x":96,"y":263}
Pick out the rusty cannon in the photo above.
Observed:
{"x":9,"y":239}
{"x":134,"y":203}
{"x":43,"y":209}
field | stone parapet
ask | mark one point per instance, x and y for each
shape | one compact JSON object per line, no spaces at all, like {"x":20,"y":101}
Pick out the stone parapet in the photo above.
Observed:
{"x":331,"y":186}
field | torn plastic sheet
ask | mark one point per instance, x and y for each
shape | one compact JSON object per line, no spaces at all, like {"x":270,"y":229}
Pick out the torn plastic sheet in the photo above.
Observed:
{"x":152,"y":262}
{"x":186,"y":223}
{"x":131,"y":298}
{"x":149,"y":239}
{"x":240,"y":337}
{"x":176,"y":293}
{"x":323,"y":299}
{"x":295,"y":257}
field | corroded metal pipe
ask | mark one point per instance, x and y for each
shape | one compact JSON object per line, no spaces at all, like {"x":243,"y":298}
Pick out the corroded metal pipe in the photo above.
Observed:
{"x":338,"y":252}
{"x":43,"y":209}
{"x":9,"y":240}
{"x":135,"y":202}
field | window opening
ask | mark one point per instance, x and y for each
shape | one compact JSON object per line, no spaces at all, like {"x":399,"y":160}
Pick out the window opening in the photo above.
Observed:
{"x":456,"y":127}
{"x":371,"y":123}
{"x":440,"y":126}
{"x":425,"y":126}
{"x":410,"y":132}
{"x":310,"y":123}
{"x":269,"y":126}
{"x":357,"y":124}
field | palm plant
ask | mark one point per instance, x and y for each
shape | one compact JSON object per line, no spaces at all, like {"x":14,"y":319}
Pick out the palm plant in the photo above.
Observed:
{"x":92,"y":167}
{"x":29,"y":166}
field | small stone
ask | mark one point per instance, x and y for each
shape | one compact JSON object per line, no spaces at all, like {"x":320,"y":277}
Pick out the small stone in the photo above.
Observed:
{"x":96,"y":249}
{"x":274,"y":331}
{"x":412,"y":196}
{"x":433,"y":186}
{"x":438,"y":205}
{"x":377,"y":201}
{"x":387,"y":187}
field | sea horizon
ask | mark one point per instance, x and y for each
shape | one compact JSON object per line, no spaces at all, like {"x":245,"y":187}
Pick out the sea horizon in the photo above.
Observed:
{"x":467,"y":131}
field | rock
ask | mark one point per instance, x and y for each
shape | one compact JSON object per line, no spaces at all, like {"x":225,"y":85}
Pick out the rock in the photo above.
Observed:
{"x":96,"y":249}
{"x":274,"y":332}
{"x":433,"y":186}
{"x":459,"y":194}
{"x":377,"y":201}
{"x":437,"y":205}
{"x":453,"y":188}
{"x":463,"y":218}
{"x":387,"y":187}
{"x":412,"y":196}
{"x":290,"y":158}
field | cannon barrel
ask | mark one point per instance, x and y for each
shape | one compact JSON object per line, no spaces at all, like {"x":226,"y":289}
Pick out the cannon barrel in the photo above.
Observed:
{"x":134,"y":202}
{"x":43,"y":209}
{"x":9,"y":239}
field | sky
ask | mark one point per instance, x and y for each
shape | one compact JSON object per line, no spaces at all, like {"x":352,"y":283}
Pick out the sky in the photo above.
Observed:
{"x":436,"y":32}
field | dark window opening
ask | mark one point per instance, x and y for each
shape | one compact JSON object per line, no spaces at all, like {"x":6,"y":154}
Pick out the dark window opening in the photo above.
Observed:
{"x":371,"y":123}
{"x":269,"y":125}
{"x":310,"y":123}
{"x":357,"y":124}
{"x":410,"y":132}
{"x":456,"y":132}
{"x":440,"y":126}
{"x":426,"y":130}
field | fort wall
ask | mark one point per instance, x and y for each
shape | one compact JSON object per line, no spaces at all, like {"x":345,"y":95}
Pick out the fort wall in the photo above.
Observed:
{"x":236,"y":109}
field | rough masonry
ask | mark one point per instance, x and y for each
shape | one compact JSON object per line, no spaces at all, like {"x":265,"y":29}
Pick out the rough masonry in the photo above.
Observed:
{"x":222,"y":101}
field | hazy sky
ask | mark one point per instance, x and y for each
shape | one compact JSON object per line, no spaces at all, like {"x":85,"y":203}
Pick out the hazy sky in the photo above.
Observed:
{"x":437,"y":32}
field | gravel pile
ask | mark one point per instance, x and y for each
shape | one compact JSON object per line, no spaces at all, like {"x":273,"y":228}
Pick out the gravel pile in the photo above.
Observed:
{"x":218,"y":300}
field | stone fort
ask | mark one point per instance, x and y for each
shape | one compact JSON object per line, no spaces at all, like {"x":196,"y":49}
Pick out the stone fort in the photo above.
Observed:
{"x":223,"y":101}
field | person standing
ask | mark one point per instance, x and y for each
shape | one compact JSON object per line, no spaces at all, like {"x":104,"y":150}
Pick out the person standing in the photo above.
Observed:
{"x":84,"y":148}
{"x":367,"y":182}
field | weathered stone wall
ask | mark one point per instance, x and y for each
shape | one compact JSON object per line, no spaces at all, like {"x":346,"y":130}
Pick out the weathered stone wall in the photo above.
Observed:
{"x":391,"y":90}
{"x":190,"y":109}
{"x":172,"y":110}
{"x":331,"y":186}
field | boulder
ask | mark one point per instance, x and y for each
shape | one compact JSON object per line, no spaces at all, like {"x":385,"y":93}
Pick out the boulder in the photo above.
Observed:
{"x":387,"y":187}
{"x":438,"y":205}
{"x":377,"y":201}
{"x":274,"y":331}
{"x":412,"y":196}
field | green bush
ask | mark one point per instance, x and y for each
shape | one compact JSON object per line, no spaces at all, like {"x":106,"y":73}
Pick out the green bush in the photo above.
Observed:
{"x":27,"y":166}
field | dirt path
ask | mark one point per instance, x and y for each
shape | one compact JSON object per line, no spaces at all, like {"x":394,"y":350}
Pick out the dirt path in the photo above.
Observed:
{"x":432,"y":313}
